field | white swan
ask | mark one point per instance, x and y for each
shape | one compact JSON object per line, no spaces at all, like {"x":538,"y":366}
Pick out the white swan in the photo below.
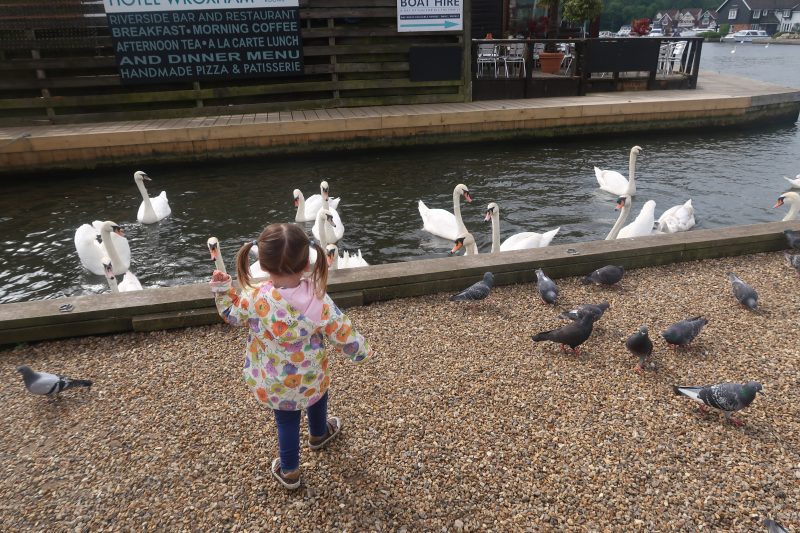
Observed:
{"x":614,"y":182}
{"x":333,"y":229}
{"x":677,"y":218}
{"x":636,"y":228}
{"x":795,"y":182}
{"x":442,"y":223}
{"x":216,"y":254}
{"x":466,"y":241}
{"x":130,"y":283}
{"x":152,"y":209}
{"x":307,"y":208}
{"x":347,"y":260}
{"x":793,"y":199}
{"x":518,"y":241}
{"x":102,"y":239}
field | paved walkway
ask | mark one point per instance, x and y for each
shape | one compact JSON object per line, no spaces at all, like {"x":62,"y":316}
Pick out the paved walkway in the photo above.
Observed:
{"x":718,"y":97}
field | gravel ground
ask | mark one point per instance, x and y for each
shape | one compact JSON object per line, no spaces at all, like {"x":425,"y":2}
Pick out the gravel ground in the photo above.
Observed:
{"x":459,"y":423}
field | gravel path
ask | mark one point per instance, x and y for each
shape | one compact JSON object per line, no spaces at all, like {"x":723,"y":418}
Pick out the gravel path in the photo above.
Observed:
{"x":460,"y":423}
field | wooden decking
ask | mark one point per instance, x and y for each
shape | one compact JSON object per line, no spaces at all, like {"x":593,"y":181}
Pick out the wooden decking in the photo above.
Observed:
{"x":718,"y":100}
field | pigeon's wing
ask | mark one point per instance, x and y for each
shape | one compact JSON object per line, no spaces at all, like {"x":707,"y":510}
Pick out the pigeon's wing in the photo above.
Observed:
{"x":478,"y":291}
{"x":773,"y":526}
{"x":639,"y":344}
{"x":743,"y":291}
{"x":724,"y":396}
{"x":609,"y":275}
{"x":690,"y":392}
{"x":46,"y":383}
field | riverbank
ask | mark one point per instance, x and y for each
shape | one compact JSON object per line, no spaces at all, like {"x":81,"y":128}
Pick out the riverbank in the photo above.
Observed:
{"x":459,"y":422}
{"x":719,"y":100}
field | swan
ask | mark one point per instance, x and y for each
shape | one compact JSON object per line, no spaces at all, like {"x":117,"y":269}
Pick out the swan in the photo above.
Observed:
{"x":130,"y":283}
{"x":614,"y":182}
{"x":102,"y":239}
{"x":307,"y":208}
{"x":443,"y":223}
{"x":636,"y":228}
{"x":793,"y":199}
{"x":333,"y":229}
{"x":677,"y":218}
{"x":347,"y":260}
{"x":152,"y":209}
{"x":795,"y":182}
{"x":518,"y":241}
{"x":216,"y":254}
{"x":467,"y":241}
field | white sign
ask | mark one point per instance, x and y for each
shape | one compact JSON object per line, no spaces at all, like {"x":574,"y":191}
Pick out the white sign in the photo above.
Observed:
{"x":135,"y":6}
{"x":430,"y":15}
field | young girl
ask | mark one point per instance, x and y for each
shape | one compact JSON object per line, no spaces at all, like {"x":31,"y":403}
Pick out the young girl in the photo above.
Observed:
{"x":288,"y":316}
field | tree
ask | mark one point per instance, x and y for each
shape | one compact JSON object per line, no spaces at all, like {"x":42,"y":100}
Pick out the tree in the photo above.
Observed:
{"x":579,"y":11}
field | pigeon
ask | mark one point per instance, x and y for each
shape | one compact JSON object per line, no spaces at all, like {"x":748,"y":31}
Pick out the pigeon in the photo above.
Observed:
{"x":607,"y":275}
{"x":477,"y":291}
{"x":746,"y":294}
{"x":794,"y":261}
{"x":727,"y":397}
{"x":640,"y":345}
{"x":49,"y":384}
{"x":683,"y":333}
{"x":792,"y":238}
{"x":594,"y":310}
{"x":573,"y":334}
{"x":548,"y":290}
{"x":774,"y":527}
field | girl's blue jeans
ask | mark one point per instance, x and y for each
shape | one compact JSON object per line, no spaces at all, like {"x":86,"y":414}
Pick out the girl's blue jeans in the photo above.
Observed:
{"x":288,"y":423}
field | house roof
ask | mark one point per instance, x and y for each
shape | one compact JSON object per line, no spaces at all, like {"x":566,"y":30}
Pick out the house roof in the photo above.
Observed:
{"x":764,"y":4}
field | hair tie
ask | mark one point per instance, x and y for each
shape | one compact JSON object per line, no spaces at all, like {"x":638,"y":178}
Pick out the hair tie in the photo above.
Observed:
{"x":312,"y":242}
{"x":254,"y":242}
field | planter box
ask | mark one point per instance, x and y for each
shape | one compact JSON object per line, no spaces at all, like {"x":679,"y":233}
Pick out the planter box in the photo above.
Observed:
{"x":551,"y":62}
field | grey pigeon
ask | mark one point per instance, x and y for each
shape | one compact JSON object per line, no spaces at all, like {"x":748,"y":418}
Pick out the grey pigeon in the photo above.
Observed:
{"x":683,"y":333}
{"x":774,"y":527}
{"x":792,"y":238}
{"x":794,"y":260}
{"x":594,"y":310}
{"x":727,"y":397}
{"x":640,"y":345}
{"x":547,"y":288}
{"x":607,"y":275}
{"x":746,"y":294}
{"x":477,"y":291}
{"x":573,"y":334}
{"x":50,"y":384}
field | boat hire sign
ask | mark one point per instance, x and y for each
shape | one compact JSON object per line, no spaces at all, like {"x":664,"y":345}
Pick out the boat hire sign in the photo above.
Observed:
{"x":430,"y":15}
{"x":176,"y":40}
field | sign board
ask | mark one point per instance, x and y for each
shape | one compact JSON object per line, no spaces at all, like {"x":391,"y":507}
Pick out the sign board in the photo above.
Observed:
{"x":430,"y":15}
{"x":158,"y":41}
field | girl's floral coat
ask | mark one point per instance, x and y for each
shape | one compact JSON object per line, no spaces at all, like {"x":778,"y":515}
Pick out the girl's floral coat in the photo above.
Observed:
{"x":285,"y":362}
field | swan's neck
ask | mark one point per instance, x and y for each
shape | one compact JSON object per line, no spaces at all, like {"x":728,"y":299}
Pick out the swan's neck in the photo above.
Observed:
{"x":457,"y":210}
{"x":623,"y":216}
{"x":322,"y":221}
{"x":335,"y":264}
{"x":219,"y":264}
{"x":110,"y":249}
{"x":795,"y":207}
{"x":112,"y":283}
{"x":148,"y":206}
{"x":472,"y":248}
{"x":632,"y":170}
{"x":301,"y":207}
{"x":495,"y":232}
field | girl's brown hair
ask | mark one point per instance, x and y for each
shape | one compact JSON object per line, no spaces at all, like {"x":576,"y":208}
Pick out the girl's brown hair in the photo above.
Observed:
{"x":283,"y":249}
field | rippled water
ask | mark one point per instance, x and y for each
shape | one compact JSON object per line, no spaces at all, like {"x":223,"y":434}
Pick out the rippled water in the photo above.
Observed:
{"x":733,"y":177}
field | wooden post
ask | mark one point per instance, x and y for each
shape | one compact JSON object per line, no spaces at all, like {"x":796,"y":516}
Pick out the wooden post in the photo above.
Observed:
{"x":334,"y":74}
{"x":198,"y":101}
{"x":466,"y":46}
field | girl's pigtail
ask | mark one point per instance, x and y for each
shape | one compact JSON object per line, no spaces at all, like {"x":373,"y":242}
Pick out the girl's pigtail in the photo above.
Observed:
{"x":320,"y":273}
{"x":242,"y":264}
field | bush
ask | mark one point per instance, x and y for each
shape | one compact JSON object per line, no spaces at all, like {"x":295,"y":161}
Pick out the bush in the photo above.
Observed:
{"x":725,"y":29}
{"x":713,"y":36}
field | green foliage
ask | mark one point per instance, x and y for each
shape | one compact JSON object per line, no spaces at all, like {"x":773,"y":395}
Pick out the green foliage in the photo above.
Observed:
{"x":724,"y":29}
{"x":713,"y":36}
{"x":581,"y":10}
{"x":618,"y":12}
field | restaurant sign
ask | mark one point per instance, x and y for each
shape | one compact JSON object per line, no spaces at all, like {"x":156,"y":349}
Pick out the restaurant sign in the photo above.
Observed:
{"x":177,"y":40}
{"x":430,"y":15}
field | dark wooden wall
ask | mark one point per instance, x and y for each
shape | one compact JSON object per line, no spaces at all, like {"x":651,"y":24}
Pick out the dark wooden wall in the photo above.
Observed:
{"x":57,"y":65}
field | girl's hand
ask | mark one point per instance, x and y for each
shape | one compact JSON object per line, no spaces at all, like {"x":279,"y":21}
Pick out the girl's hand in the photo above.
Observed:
{"x":218,"y":275}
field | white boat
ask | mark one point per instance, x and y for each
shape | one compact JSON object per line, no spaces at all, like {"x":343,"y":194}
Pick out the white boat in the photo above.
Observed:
{"x":745,"y":36}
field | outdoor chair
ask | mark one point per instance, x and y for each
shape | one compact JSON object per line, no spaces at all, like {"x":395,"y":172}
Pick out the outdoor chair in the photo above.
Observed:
{"x":515,"y":55}
{"x":487,"y":55}
{"x":675,"y":58}
{"x":538,"y":48}
{"x":568,"y":60}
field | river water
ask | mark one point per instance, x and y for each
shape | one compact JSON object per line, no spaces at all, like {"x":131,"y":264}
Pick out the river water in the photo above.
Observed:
{"x":733,"y":176}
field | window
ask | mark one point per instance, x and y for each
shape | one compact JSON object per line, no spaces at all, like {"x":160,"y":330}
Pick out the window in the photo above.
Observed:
{"x":787,"y":13}
{"x":756,"y":13}
{"x":732,"y":13}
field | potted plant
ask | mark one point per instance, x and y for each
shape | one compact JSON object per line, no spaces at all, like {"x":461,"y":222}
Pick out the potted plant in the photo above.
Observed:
{"x":550,"y":59}
{"x":576,"y":11}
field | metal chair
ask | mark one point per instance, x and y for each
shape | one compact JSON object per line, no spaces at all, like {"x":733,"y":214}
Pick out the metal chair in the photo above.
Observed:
{"x":675,"y":59}
{"x":538,"y":48}
{"x":515,"y":55}
{"x":487,"y":55}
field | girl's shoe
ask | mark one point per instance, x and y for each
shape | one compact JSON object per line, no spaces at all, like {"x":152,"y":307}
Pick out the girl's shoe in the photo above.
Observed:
{"x":289,"y":483}
{"x":334,"y":427}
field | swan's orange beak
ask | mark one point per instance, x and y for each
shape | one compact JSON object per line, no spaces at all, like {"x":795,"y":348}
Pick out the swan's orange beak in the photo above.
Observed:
{"x":329,"y":257}
{"x":467,"y":196}
{"x":620,"y":204}
{"x":213,"y":253}
{"x":119,"y":232}
{"x":296,"y":202}
{"x":488,"y":216}
{"x":457,"y":247}
{"x":778,"y":203}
